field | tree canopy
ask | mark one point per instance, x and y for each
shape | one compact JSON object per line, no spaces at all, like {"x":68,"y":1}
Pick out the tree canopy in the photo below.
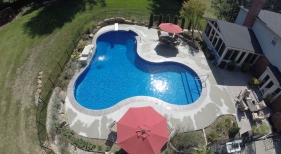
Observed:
{"x":228,"y":9}
{"x":193,"y":11}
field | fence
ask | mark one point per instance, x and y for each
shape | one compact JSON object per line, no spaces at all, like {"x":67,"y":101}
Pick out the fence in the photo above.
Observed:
{"x":46,"y":93}
{"x":52,"y":78}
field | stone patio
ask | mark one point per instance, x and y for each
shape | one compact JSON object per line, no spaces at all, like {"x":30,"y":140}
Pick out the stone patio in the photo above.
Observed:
{"x":220,"y":87}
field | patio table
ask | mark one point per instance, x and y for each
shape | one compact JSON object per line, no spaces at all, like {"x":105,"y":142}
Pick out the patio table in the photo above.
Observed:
{"x":252,"y":107}
{"x":169,"y":38}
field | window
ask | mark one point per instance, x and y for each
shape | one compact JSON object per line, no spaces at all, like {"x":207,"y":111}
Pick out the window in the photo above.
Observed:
{"x":274,"y":41}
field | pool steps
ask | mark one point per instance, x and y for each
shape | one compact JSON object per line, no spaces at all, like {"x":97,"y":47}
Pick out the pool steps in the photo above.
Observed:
{"x":187,"y":83}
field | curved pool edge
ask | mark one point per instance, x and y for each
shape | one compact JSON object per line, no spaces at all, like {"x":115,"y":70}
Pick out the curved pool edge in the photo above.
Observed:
{"x":141,"y":46}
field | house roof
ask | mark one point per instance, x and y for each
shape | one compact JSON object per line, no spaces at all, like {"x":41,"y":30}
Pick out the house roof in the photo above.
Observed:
{"x":238,"y":36}
{"x":275,"y":72}
{"x":272,"y":20}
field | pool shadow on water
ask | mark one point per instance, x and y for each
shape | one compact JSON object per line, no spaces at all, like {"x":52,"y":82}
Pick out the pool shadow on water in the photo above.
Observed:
{"x":166,"y":51}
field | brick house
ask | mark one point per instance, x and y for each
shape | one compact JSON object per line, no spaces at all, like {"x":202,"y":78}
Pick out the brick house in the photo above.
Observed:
{"x":255,"y":38}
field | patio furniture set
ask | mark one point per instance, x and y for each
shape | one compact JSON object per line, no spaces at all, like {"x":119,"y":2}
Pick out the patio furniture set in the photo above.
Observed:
{"x":245,"y":102}
{"x":170,"y":38}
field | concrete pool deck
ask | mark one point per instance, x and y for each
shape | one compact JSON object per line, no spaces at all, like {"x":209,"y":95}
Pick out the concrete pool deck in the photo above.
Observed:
{"x":213,"y":102}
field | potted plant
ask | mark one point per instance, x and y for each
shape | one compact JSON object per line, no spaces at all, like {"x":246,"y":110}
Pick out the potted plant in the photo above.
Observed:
{"x":245,"y":67}
{"x":254,"y":82}
{"x":231,"y":65}
{"x":268,"y":99}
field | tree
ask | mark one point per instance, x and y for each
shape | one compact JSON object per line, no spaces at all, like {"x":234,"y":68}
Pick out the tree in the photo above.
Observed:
{"x":273,"y":5}
{"x":175,"y":20}
{"x":182,"y":23}
{"x":226,"y":9}
{"x":151,"y":20}
{"x":167,"y":18}
{"x":193,"y":11}
{"x":160,"y":20}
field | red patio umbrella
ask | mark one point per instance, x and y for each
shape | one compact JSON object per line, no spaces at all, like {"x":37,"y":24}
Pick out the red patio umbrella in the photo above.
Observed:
{"x":142,"y":131}
{"x":171,"y":28}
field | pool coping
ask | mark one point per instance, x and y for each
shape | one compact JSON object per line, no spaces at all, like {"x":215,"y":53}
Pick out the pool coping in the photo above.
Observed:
{"x":135,"y":99}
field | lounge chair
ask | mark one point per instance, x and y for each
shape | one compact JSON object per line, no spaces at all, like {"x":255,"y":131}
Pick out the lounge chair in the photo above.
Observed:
{"x":113,"y":127}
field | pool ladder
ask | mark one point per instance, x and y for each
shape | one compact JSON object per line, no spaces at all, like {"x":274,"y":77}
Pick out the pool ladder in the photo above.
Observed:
{"x":202,"y":80}
{"x":138,"y":38}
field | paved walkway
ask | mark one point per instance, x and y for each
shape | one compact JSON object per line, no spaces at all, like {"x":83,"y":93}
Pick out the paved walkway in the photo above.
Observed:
{"x":213,"y":102}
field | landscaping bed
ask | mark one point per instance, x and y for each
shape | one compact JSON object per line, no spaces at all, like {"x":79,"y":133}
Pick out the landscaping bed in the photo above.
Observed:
{"x":222,"y":130}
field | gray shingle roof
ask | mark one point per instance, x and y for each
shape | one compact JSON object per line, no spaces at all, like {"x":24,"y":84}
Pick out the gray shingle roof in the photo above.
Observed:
{"x":272,"y":20}
{"x":238,"y":36}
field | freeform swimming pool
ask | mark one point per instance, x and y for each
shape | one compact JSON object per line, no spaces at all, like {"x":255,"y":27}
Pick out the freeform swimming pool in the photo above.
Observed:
{"x":116,"y":72}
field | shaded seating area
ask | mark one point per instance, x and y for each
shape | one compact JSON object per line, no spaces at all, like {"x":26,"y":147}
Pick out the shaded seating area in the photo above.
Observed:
{"x":168,"y":39}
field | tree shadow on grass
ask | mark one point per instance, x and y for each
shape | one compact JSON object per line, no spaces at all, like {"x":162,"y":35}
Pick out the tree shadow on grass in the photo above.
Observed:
{"x":55,"y":16}
{"x":165,"y":7}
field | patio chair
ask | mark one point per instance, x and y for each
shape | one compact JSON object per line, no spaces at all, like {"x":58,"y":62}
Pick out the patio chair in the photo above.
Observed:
{"x":246,"y":93}
{"x":262,"y":105}
{"x":266,"y":116}
{"x":159,"y":33}
{"x":170,"y":130}
{"x":243,"y":106}
{"x":177,"y":44}
{"x":256,"y":117}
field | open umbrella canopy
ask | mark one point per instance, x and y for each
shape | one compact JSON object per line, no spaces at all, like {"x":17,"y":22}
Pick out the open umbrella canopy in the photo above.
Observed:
{"x":171,"y":28}
{"x":142,"y":131}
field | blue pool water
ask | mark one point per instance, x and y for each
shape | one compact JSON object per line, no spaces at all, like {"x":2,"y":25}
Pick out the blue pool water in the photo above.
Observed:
{"x":116,"y":72}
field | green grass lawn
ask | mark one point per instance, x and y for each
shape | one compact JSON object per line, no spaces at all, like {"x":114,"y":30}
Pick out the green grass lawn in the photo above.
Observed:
{"x":34,"y":42}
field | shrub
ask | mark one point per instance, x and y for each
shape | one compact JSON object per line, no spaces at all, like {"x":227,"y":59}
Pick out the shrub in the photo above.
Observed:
{"x":231,"y":65}
{"x":253,"y":82}
{"x":99,"y":148}
{"x":198,"y":39}
{"x":151,"y":20}
{"x":186,"y":141}
{"x":213,"y":136}
{"x":227,"y":122}
{"x":133,"y":18}
{"x":64,"y":150}
{"x":262,"y":129}
{"x":233,"y":131}
{"x":202,"y":44}
{"x":80,"y":46}
{"x":107,"y":148}
{"x":175,"y":20}
{"x":167,"y":18}
{"x":160,"y":19}
{"x":268,"y":98}
{"x":220,"y":126}
{"x":245,"y":67}
{"x":182,"y":23}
